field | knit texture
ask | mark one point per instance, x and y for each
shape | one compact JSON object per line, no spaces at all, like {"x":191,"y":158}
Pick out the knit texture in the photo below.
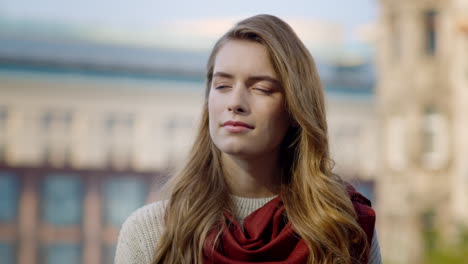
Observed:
{"x":141,"y":231}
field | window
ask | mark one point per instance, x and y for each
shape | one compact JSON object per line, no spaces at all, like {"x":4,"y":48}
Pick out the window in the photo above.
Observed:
{"x":121,"y":197}
{"x":119,"y":124}
{"x":178,"y":137}
{"x":57,"y":120}
{"x":61,"y":253}
{"x":118,"y":129}
{"x":2,"y":152}
{"x":429,"y":133}
{"x":62,"y":197}
{"x":56,"y":126}
{"x":109,"y":254}
{"x":435,"y":135}
{"x":9,"y":193}
{"x":3,"y":117}
{"x":3,"y":127}
{"x":7,"y":253}
{"x":430,"y":28}
{"x":395,"y":36}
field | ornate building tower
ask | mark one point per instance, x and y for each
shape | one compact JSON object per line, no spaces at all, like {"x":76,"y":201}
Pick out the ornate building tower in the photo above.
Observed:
{"x":422,"y":94}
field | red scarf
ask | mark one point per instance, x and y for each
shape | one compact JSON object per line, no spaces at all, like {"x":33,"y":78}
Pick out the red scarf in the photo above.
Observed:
{"x":268,"y":237}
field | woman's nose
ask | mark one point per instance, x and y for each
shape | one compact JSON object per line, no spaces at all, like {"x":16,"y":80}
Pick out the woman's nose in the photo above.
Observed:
{"x":238,"y":100}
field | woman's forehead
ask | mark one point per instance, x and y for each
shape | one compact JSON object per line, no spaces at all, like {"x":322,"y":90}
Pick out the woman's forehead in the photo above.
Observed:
{"x":242,"y":57}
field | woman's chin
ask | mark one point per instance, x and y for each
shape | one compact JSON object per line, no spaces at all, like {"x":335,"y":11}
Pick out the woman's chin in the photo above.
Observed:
{"x":238,"y":151}
{"x":235,"y":151}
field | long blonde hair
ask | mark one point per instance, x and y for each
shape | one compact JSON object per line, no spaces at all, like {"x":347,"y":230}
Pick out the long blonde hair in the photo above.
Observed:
{"x":316,"y":201}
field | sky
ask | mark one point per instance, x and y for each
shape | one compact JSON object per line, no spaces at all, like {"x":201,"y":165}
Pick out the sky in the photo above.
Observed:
{"x":322,"y":24}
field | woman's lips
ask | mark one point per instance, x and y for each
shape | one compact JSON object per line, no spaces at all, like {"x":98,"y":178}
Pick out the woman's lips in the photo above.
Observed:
{"x":237,"y":126}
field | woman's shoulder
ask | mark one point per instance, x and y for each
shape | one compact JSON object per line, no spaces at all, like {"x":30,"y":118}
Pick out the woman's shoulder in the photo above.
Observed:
{"x":140,"y":234}
{"x":148,"y":212}
{"x":147,"y":218}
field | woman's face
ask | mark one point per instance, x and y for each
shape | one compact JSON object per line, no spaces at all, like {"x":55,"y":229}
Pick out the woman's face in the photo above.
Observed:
{"x":246,"y":104}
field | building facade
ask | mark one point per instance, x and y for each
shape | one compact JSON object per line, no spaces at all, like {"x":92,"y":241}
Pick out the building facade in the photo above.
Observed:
{"x":422,"y":103}
{"x":79,"y":154}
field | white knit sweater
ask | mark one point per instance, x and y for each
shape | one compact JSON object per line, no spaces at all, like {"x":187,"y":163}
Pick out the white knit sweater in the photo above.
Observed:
{"x":142,"y":230}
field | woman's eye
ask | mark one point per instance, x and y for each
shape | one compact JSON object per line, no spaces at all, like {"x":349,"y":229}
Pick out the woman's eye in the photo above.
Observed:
{"x":221,"y":87}
{"x":265,"y":91}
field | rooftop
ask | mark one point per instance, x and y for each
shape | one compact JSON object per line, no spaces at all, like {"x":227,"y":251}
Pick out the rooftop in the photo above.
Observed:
{"x":46,"y":57}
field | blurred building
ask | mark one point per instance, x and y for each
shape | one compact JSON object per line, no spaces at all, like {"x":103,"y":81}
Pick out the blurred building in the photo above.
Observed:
{"x":422,"y":97}
{"x":88,"y":133}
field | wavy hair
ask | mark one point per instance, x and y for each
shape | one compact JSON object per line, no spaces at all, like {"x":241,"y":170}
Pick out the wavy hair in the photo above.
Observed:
{"x":316,"y":201}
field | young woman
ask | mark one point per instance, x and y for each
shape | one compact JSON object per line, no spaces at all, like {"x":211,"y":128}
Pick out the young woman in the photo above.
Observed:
{"x":257,"y":186}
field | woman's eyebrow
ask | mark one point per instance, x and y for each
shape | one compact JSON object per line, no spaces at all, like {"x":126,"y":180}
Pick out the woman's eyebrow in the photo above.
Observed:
{"x":223,"y":75}
{"x":254,"y":79}
{"x":251,"y":79}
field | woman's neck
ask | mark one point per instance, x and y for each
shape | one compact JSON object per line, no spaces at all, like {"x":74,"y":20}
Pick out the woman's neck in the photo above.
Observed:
{"x":253,"y":178}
